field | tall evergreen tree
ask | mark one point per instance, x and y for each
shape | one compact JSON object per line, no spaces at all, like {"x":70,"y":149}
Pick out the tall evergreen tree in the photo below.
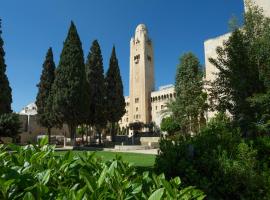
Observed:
{"x":69,"y":93}
{"x":44,"y":105}
{"x":189,"y":106}
{"x":115,"y":100}
{"x":5,"y":89}
{"x":96,"y":88}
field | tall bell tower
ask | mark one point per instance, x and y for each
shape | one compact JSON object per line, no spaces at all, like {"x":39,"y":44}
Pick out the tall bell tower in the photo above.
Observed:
{"x":141,"y":76}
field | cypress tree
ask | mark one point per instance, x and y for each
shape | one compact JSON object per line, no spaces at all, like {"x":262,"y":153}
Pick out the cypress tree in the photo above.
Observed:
{"x":96,"y":88}
{"x":189,"y":105}
{"x":69,"y":94}
{"x":115,"y":100}
{"x":5,"y":89}
{"x":45,"y":114}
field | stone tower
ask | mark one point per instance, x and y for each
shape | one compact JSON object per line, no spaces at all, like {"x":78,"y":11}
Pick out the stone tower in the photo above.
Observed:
{"x":141,"y":76}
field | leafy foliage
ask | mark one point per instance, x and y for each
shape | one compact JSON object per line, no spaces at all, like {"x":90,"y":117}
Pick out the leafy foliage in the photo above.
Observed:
{"x":5,"y":89}
{"x":262,"y":145}
{"x":218,"y":161}
{"x":261,"y":105}
{"x":136,"y":126}
{"x":9,"y":125}
{"x":39,"y":173}
{"x":169,"y":125}
{"x":244,"y":72}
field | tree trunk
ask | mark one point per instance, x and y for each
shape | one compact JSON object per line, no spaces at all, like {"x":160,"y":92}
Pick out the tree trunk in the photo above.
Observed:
{"x":113,"y":132}
{"x":199,"y":123}
{"x":99,"y":135}
{"x":49,"y":135}
{"x":190,"y":131}
{"x":83,"y":138}
{"x":14,"y":139}
{"x":89,"y":134}
{"x":72,"y":131}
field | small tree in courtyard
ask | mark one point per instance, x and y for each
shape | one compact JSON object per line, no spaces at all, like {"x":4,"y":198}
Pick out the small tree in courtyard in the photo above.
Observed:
{"x":136,"y":126}
{"x":169,"y":125}
{"x":190,"y":103}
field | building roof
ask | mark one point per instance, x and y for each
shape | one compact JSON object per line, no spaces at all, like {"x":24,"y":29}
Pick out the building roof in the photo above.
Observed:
{"x":165,"y":87}
{"x":30,"y":109}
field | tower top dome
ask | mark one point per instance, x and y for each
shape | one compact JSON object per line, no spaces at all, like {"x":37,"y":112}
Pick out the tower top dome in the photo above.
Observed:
{"x":141,"y":27}
{"x":141,"y":30}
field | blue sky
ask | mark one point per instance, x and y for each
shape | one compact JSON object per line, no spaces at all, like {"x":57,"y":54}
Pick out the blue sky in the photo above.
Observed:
{"x":30,"y":27}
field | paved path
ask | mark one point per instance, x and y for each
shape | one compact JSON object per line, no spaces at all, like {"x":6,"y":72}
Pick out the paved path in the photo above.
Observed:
{"x":145,"y":151}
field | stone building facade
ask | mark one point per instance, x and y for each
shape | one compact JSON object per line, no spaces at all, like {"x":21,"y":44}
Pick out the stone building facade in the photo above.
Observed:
{"x":159,"y":101}
{"x":158,"y":106}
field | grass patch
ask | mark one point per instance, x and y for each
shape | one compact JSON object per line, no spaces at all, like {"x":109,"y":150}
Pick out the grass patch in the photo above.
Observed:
{"x":138,"y":159}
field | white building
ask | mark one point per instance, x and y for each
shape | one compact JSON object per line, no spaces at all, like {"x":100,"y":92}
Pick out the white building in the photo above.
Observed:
{"x":30,"y":109}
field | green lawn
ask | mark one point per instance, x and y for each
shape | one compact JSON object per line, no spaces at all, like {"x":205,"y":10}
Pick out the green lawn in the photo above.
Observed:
{"x":140,"y":160}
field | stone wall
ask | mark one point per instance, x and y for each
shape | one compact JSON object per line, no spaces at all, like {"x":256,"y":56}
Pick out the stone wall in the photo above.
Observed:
{"x":30,"y":129}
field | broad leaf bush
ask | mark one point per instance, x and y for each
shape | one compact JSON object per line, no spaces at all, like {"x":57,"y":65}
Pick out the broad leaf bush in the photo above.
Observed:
{"x":219,"y":162}
{"x":33,"y":172}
